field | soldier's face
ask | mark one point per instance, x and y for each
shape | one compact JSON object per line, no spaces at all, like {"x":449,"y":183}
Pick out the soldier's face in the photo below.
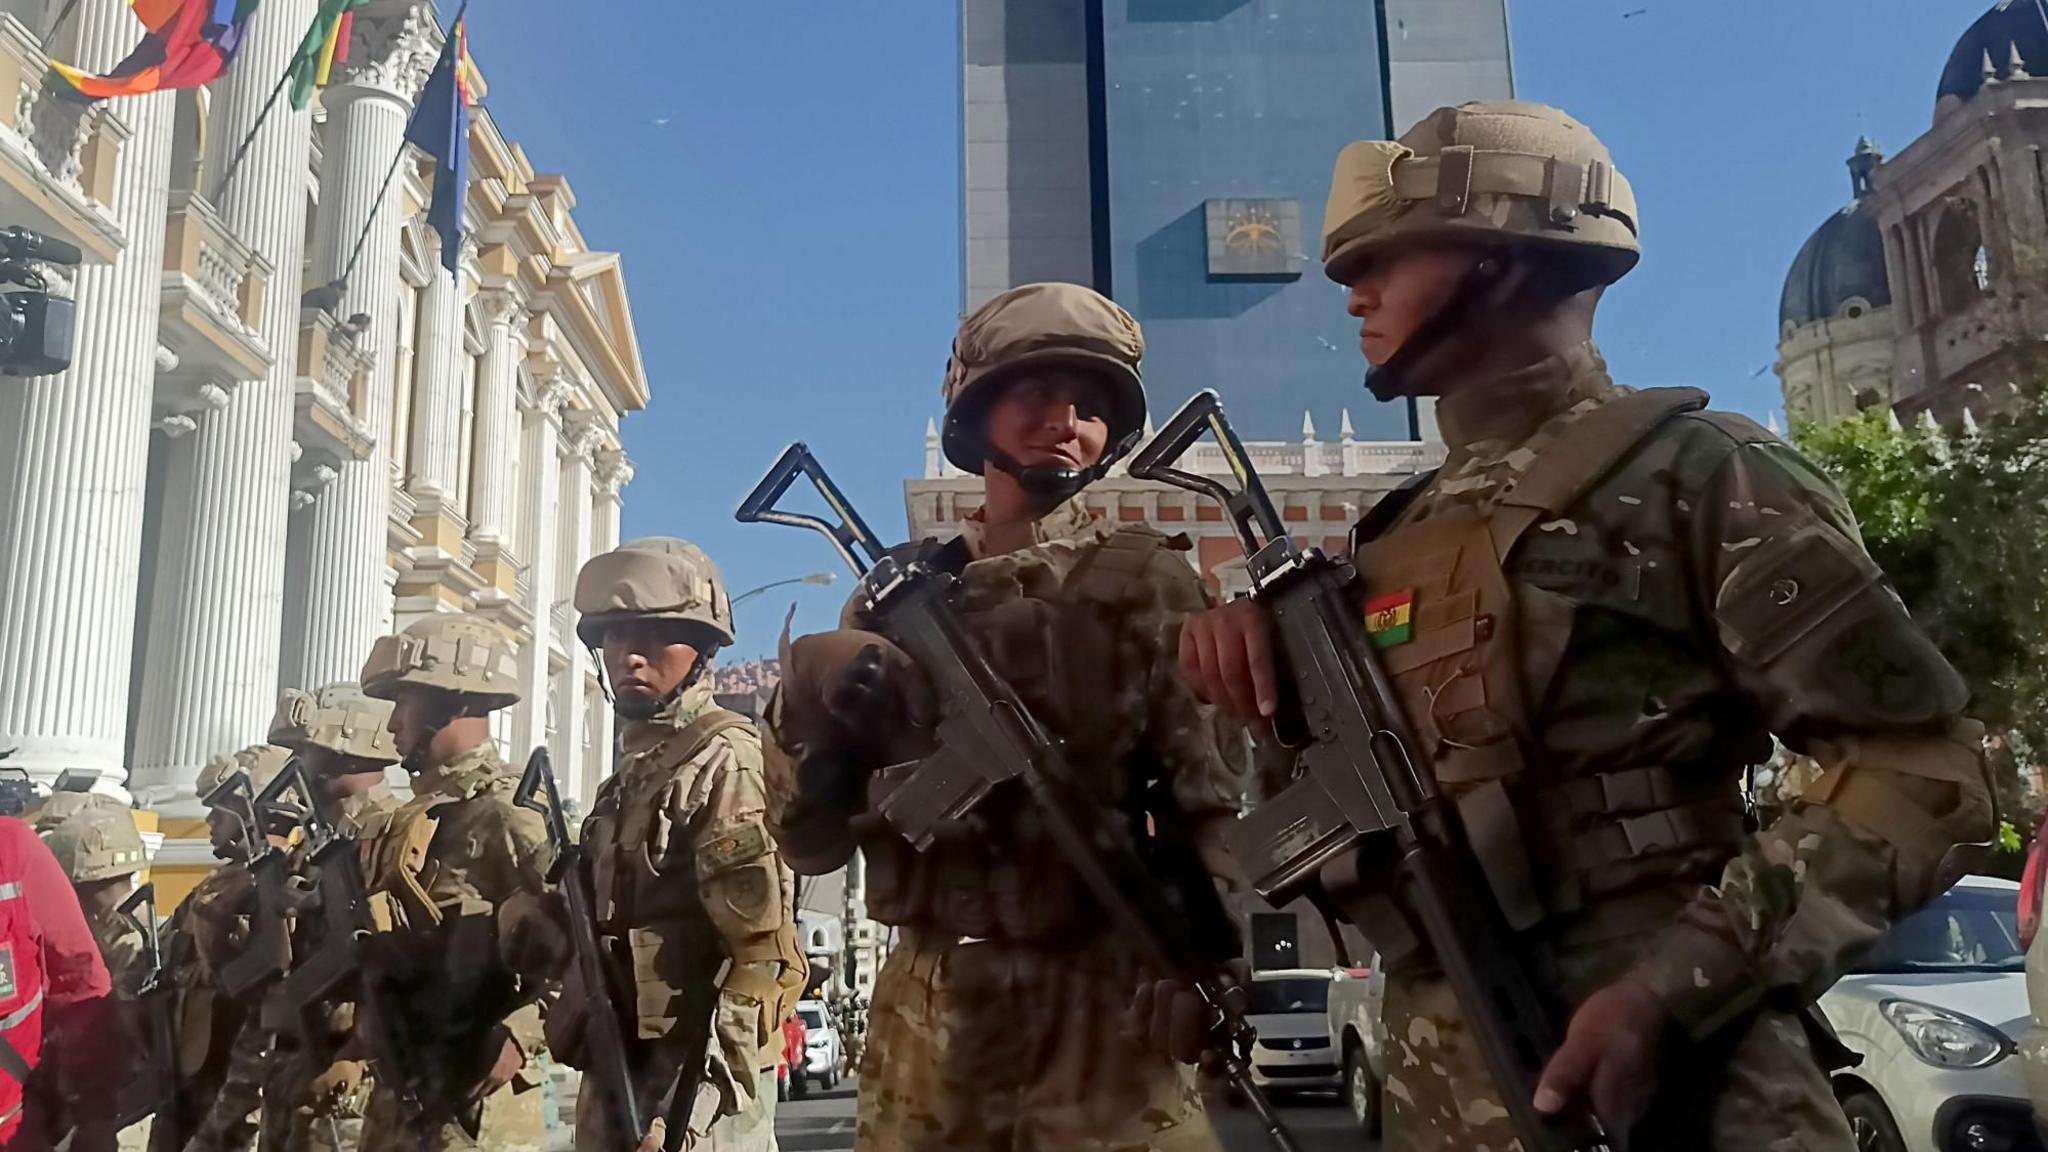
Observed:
{"x":225,"y":832}
{"x":645,"y":660}
{"x":416,"y":716}
{"x":1399,"y":292}
{"x":1050,"y":419}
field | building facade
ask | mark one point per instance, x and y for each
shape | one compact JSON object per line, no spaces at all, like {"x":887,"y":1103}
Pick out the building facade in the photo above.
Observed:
{"x":288,"y":428}
{"x":1922,"y":293}
{"x":1176,"y":155}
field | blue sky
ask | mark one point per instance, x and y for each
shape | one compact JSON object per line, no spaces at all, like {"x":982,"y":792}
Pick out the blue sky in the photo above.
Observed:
{"x":783,"y":179}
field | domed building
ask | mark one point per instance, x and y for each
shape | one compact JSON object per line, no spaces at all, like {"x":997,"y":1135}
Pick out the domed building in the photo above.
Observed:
{"x":1942,"y":252}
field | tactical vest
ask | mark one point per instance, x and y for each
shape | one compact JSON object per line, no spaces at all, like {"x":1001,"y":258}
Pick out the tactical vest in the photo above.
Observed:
{"x":1009,"y":880}
{"x":662,"y":940}
{"x":1463,"y":671}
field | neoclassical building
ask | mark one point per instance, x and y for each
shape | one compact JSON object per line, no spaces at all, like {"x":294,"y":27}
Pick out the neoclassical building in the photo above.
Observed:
{"x":1924,"y":292}
{"x":252,"y":469}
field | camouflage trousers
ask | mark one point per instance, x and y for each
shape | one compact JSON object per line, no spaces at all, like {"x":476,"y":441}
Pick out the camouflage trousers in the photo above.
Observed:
{"x":752,"y":1130}
{"x":998,"y":1047}
{"x":512,"y":1122}
{"x":1771,"y":1095}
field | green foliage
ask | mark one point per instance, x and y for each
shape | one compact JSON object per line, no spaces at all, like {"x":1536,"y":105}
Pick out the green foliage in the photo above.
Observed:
{"x":1959,"y":520}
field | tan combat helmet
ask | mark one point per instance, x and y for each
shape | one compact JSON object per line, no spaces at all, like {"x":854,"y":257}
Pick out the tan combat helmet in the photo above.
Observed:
{"x":656,"y":578}
{"x":262,"y":761}
{"x":454,"y":652}
{"x":1499,"y":172}
{"x":97,"y":842}
{"x":1043,"y":326}
{"x":339,"y":718}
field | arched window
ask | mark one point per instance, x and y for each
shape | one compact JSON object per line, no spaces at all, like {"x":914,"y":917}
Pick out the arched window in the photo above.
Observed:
{"x":1962,"y":267}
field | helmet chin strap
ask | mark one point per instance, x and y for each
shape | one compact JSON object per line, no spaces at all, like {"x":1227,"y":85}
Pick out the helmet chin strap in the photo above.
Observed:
{"x":1397,"y":377}
{"x":1051,"y":485}
{"x":604,"y":681}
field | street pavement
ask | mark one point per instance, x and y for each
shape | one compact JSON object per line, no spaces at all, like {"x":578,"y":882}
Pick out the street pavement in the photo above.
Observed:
{"x":823,"y":1122}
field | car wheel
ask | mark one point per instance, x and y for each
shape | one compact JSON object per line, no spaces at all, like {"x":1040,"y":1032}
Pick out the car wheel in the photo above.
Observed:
{"x":1871,"y":1123}
{"x":831,"y":1079}
{"x":1361,"y":1091}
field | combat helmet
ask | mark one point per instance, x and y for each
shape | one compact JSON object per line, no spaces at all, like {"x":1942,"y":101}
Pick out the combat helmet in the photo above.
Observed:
{"x":655,"y":578}
{"x":262,"y":761}
{"x":340,"y":718}
{"x":1041,"y":326}
{"x":1498,"y":172}
{"x":96,"y":842}
{"x":454,"y":652}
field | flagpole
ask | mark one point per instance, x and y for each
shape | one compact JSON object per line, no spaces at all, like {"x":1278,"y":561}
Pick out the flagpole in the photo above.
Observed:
{"x":377,"y":206}
{"x":242,"y":149}
{"x":70,"y":6}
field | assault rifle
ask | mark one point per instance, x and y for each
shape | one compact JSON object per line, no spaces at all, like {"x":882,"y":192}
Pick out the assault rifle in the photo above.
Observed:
{"x":153,"y":1087}
{"x":605,"y":1038}
{"x":269,"y":950}
{"x":1362,"y":827}
{"x":339,"y":965}
{"x":988,"y":738}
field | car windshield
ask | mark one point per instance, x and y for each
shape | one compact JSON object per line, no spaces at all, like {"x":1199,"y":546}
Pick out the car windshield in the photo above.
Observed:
{"x":812,"y":1017}
{"x":1274,"y":996}
{"x":1965,"y":930}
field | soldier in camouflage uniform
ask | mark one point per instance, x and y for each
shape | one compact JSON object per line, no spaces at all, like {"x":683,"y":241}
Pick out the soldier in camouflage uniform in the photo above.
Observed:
{"x":686,"y":877}
{"x":457,"y":880}
{"x":997,"y":1022}
{"x":94,"y":837}
{"x":220,"y":1067}
{"x":343,"y":741}
{"x":1596,"y":614}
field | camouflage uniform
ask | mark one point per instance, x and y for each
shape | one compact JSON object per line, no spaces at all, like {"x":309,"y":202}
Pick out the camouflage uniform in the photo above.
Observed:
{"x":686,"y":877}
{"x":998,"y":1022}
{"x":448,"y":876}
{"x":1597,"y":612}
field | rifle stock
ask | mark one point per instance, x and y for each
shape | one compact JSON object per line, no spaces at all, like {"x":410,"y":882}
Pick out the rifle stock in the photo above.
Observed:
{"x":152,"y":1091}
{"x":605,"y":1040}
{"x":989,"y":737}
{"x":1362,"y":826}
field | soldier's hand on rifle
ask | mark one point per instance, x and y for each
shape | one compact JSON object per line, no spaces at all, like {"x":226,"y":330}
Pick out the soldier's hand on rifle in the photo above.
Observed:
{"x":1226,"y":654}
{"x":1178,"y":1022}
{"x":1609,"y":1056}
{"x":339,"y":1082}
{"x":657,"y":1134}
{"x":510,"y":1060}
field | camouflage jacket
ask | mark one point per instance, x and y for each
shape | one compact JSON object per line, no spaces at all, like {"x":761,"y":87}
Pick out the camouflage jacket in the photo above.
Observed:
{"x":1084,"y":620}
{"x":1709,"y":590}
{"x":124,"y":947}
{"x":684,"y":869}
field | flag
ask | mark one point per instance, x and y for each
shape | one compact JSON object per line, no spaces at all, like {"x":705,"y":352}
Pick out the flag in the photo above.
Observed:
{"x":440,"y":128}
{"x":187,"y":43}
{"x":1389,"y":618}
{"x":324,"y":46}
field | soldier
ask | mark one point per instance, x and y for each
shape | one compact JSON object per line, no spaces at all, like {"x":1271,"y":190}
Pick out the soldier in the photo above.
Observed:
{"x":343,"y":741}
{"x":94,"y":837}
{"x":1596,"y":612}
{"x":683,"y":865}
{"x":222,"y":1046}
{"x":997,"y":1022}
{"x":459,"y":875}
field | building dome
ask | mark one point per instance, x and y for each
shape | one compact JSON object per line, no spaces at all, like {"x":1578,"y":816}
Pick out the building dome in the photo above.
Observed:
{"x":2010,"y":39}
{"x":1844,"y":259}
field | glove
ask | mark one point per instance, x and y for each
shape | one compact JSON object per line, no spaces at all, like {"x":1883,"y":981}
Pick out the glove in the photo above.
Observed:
{"x":854,"y":692}
{"x":1173,"y":1017}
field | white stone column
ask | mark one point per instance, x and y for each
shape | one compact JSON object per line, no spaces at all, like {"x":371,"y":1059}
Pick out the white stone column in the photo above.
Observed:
{"x":539,"y":450}
{"x":74,"y":450}
{"x":613,"y":472}
{"x":437,"y":395}
{"x":491,"y":495}
{"x":338,"y":594}
{"x":581,"y":435}
{"x":210,"y":666}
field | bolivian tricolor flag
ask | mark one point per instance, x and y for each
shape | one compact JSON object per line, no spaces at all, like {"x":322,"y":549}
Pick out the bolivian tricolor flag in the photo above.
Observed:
{"x":188,"y":43}
{"x":325,"y":45}
{"x":1387,"y":618}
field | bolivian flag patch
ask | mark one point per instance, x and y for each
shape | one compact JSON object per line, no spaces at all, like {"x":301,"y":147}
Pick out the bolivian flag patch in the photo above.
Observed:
{"x":1388,"y":618}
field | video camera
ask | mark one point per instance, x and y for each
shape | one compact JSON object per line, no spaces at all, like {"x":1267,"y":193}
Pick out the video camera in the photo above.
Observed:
{"x":17,"y":791}
{"x":35,"y":327}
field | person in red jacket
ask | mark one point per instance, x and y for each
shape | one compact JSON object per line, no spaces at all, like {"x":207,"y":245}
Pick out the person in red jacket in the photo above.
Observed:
{"x":61,"y":1034}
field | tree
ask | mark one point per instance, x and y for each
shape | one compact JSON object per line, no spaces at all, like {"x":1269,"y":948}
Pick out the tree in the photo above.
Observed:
{"x":1959,"y":520}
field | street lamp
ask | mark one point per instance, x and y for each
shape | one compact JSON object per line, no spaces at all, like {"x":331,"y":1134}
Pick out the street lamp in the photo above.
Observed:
{"x":819,"y":578}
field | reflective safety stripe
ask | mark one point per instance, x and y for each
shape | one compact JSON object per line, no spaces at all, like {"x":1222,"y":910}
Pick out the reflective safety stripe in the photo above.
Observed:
{"x":13,"y":1020}
{"x":10,"y":890}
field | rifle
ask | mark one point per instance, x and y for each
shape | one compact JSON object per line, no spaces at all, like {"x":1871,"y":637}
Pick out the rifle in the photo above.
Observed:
{"x":1365,"y":794}
{"x":269,"y":950}
{"x":606,"y":1038}
{"x":341,"y":962}
{"x":988,"y":737}
{"x":154,"y":1090}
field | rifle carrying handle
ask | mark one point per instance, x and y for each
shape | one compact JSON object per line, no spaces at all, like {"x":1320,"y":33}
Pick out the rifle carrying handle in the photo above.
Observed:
{"x":850,"y":533}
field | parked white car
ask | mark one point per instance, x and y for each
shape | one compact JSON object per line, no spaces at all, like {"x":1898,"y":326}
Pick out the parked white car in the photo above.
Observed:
{"x":1356,"y":998}
{"x":822,"y":1051}
{"x":1290,"y":1009}
{"x":1934,"y":1010}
